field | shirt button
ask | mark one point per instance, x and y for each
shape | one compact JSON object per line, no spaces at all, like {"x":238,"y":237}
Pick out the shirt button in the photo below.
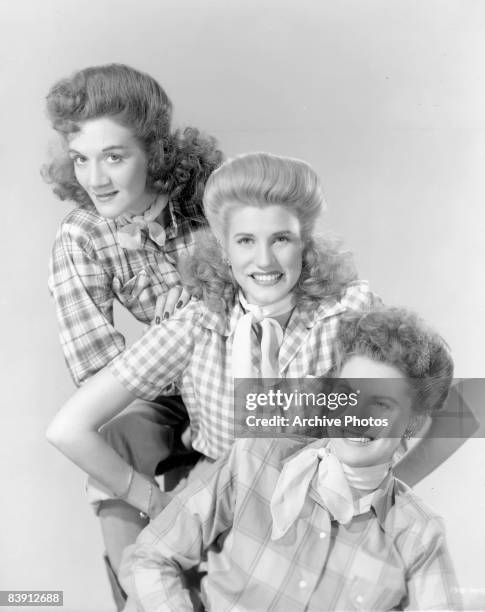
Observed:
{"x":302,"y":584}
{"x":359,"y":599}
{"x":322,"y":534}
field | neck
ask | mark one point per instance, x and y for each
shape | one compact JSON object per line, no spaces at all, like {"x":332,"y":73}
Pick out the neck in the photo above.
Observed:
{"x":147,"y":201}
{"x":276,"y":310}
{"x":363,"y":480}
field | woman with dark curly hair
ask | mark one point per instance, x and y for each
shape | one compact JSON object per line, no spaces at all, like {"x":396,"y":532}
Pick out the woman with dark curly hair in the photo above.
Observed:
{"x":138,"y":188}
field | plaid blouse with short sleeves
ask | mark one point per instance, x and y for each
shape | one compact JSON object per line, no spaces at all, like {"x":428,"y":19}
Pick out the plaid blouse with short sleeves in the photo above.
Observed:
{"x":89,"y":270}
{"x":194,"y":349}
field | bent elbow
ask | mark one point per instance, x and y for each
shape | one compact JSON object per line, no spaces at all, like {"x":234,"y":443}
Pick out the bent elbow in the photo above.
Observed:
{"x":58,"y":435}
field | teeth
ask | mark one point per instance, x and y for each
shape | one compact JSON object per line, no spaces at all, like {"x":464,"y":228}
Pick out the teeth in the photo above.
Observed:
{"x":360,"y":440}
{"x":266,"y":278}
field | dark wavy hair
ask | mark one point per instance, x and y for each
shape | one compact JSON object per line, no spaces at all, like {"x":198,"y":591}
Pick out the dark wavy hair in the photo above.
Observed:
{"x":400,"y":338}
{"x":179,"y":162}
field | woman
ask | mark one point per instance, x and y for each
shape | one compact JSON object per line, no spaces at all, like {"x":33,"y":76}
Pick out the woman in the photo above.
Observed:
{"x":138,"y":189}
{"x":343,"y":533}
{"x":262,"y":210}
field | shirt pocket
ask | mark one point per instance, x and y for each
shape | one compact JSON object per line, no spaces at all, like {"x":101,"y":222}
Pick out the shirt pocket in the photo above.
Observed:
{"x":366,"y":595}
{"x":130,"y":291}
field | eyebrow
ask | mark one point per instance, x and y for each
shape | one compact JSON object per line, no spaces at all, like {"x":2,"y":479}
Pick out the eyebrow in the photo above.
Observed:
{"x":387,"y":398}
{"x":105,"y":150}
{"x":280,"y":233}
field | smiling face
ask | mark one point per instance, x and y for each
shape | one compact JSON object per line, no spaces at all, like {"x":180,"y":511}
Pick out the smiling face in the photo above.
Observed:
{"x":383,"y":393}
{"x":264,"y":247}
{"x":111,"y":166}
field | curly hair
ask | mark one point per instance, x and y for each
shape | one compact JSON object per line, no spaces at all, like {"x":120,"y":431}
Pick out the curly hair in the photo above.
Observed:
{"x":398,"y":337}
{"x":179,"y":162}
{"x":327,"y":270}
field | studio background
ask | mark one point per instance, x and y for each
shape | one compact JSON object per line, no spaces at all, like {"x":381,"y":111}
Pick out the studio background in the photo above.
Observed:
{"x":385,"y":99}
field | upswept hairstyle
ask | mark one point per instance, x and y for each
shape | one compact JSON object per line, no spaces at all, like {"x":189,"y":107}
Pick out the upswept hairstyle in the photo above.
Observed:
{"x":261,"y":180}
{"x":398,"y":337}
{"x":179,"y":162}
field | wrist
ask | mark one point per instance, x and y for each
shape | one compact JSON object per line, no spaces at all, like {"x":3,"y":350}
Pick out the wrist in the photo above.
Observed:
{"x":139,"y":494}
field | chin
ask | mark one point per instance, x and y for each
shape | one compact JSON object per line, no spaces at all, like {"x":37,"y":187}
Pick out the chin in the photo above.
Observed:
{"x":373,"y":453}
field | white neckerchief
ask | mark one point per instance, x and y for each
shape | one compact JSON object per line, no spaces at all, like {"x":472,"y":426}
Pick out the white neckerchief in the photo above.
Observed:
{"x":132,"y":226}
{"x":271,"y":339}
{"x":320,"y":467}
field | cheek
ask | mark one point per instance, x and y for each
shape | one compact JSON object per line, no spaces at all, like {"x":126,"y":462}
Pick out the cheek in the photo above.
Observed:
{"x":292,"y":261}
{"x":134,"y":178}
{"x":80,"y":175}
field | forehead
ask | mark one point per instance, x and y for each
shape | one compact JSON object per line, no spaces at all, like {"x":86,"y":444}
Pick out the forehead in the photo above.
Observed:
{"x":98,"y":134}
{"x":262,"y":221}
{"x":373,"y":377}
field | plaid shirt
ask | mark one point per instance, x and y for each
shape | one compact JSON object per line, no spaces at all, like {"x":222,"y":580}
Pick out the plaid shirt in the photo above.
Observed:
{"x":194,"y":347}
{"x":392,"y":556}
{"x":89,"y":270}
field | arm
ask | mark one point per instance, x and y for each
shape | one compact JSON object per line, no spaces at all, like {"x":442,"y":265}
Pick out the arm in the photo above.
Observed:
{"x":436,"y":446}
{"x":177,"y":538}
{"x":83,"y":297}
{"x":157,"y":359}
{"x":431,"y":580}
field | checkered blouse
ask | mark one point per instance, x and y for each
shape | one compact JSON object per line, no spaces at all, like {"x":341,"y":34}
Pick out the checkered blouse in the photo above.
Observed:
{"x":194,"y":349}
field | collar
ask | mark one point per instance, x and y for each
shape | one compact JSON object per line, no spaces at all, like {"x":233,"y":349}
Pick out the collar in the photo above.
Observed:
{"x":382,"y":498}
{"x":170,"y":221}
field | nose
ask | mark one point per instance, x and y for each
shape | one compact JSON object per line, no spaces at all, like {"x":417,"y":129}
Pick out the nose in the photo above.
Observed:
{"x":264,"y":255}
{"x":97,"y":176}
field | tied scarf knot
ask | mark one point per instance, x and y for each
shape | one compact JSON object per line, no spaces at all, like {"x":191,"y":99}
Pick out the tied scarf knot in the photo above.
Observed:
{"x":330,"y":478}
{"x":271,"y":337}
{"x":133,"y":226}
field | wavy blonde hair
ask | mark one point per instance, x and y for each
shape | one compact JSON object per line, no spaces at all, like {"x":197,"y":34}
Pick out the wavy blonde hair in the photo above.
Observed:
{"x":261,"y":180}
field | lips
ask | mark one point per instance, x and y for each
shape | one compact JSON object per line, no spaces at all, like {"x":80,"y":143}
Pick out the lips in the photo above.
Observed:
{"x":103,"y":197}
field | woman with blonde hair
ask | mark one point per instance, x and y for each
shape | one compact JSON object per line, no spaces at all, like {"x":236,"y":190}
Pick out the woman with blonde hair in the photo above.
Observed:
{"x":268,"y":292}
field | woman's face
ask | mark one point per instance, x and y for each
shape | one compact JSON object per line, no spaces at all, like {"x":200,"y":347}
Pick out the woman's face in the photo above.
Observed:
{"x":264,"y":247}
{"x":111,"y":166}
{"x":383,"y":394}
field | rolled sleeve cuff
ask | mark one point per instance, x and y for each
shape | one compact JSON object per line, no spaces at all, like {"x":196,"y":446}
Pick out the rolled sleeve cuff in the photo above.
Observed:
{"x":129,"y":376}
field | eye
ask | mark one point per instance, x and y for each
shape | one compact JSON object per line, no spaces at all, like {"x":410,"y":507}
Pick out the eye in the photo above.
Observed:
{"x":113,"y":158}
{"x":282,"y":239}
{"x":79,"y":160}
{"x":382,"y":404}
{"x":245,"y":240}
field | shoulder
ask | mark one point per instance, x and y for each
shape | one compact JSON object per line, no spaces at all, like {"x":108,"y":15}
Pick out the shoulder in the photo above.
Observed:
{"x":356,"y":296}
{"x":197,"y":310}
{"x":82,"y":226}
{"x":410,"y":514}
{"x":271,"y":451}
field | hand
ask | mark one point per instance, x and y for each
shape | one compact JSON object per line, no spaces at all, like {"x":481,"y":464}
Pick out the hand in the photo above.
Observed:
{"x":186,"y":438}
{"x":159,"y":500}
{"x":175,"y":298}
